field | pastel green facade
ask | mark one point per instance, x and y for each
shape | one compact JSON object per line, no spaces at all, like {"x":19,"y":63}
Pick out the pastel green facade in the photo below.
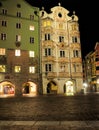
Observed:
{"x":11,"y":30}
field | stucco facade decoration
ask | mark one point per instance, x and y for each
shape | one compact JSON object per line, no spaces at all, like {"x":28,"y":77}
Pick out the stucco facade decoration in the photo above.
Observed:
{"x":60,"y":52}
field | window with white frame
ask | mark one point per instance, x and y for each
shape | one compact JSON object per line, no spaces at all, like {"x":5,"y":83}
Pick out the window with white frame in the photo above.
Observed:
{"x":18,"y":25}
{"x":74,"y":39}
{"x":48,"y":51}
{"x":4,"y":23}
{"x":17,"y":52}
{"x":18,"y":14}
{"x":31,"y":69}
{"x":62,"y":53}
{"x":31,"y":28}
{"x":76,"y":53}
{"x":3,"y":36}
{"x":48,"y":67}
{"x":18,"y":38}
{"x":4,"y":11}
{"x":31,"y":53}
{"x":61,"y":39}
{"x":47,"y":37}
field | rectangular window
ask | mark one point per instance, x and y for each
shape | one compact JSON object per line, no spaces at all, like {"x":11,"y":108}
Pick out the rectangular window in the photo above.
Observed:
{"x":31,"y":69}
{"x":76,"y":53}
{"x":31,"y":17}
{"x":4,"y":23}
{"x":3,"y":36}
{"x":61,"y":39}
{"x":44,"y":24}
{"x":2,"y":51}
{"x":48,"y":67}
{"x":18,"y":14}
{"x":47,"y":51}
{"x":31,"y":39}
{"x":47,"y":37}
{"x":17,"y":53}
{"x":31,"y":28}
{"x":31,"y":53}
{"x":4,"y":11}
{"x":48,"y":23}
{"x":2,"y":68}
{"x":74,"y":39}
{"x":17,"y":69}
{"x":18,"y":38}
{"x":18,"y":25}
{"x":62,"y":68}
{"x":62,"y":53}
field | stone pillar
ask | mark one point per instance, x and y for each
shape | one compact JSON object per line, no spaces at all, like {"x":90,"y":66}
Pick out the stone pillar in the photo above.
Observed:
{"x":18,"y":89}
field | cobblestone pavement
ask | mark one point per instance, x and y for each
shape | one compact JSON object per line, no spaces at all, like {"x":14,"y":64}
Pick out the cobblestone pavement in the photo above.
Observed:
{"x":50,"y":112}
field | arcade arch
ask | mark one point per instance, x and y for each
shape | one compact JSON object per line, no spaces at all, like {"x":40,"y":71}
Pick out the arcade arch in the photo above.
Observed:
{"x":29,"y":88}
{"x":7,"y":88}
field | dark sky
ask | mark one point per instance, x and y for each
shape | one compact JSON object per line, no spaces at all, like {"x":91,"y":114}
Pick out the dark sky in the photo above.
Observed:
{"x":88,"y":14}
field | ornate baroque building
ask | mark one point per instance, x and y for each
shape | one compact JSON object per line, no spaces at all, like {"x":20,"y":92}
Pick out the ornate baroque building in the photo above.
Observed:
{"x":60,"y":52}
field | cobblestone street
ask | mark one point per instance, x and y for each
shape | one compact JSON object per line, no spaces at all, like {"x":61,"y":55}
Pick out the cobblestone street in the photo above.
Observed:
{"x":50,"y":112}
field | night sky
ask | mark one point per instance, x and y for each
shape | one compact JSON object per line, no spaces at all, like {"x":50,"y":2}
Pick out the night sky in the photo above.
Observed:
{"x":88,"y":14}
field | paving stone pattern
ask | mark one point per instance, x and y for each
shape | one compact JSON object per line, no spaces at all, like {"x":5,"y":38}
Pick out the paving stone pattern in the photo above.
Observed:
{"x":50,"y":112}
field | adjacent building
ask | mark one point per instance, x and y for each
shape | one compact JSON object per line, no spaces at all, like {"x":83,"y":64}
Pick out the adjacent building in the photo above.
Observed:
{"x":19,"y":48}
{"x":61,"y":57}
{"x":91,"y":67}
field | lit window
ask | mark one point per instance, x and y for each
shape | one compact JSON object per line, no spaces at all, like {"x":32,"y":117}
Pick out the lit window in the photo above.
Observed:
{"x":44,"y":24}
{"x":2,"y":68}
{"x":18,"y":38}
{"x":17,"y":52}
{"x":31,"y":69}
{"x":48,"y":23}
{"x":2,"y":51}
{"x":31,"y":53}
{"x":17,"y":69}
{"x":32,"y":28}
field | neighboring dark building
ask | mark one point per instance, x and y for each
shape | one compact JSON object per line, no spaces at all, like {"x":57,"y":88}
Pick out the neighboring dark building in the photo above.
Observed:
{"x":91,"y":70}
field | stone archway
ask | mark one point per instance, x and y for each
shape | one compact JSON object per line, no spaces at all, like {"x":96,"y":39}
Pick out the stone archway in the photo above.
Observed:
{"x":52,"y":87}
{"x":29,"y":88}
{"x":69,"y":87}
{"x":7,"y":88}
